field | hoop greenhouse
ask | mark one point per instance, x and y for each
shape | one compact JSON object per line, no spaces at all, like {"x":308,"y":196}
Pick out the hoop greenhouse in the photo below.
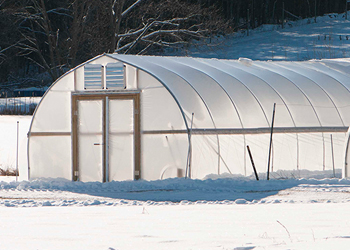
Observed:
{"x":120,"y":117}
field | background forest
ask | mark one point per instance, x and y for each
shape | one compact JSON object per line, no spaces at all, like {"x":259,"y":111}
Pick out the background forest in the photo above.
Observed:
{"x":42,"y":39}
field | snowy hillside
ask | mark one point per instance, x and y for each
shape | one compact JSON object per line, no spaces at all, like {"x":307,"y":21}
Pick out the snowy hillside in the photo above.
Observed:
{"x":298,"y":41}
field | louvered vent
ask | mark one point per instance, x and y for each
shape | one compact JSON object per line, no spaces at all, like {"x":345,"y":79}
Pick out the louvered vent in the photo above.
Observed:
{"x":115,"y":76}
{"x":93,"y":76}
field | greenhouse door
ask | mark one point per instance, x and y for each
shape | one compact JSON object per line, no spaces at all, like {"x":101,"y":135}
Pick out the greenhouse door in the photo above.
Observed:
{"x":106,"y":137}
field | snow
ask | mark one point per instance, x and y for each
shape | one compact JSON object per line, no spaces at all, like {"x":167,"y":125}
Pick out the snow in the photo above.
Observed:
{"x":229,"y":190}
{"x":214,"y":226}
{"x":298,"y":41}
{"x":294,"y":210}
{"x":221,"y":213}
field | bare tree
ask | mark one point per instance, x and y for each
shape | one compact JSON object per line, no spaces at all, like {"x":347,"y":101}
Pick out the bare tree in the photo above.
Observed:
{"x":58,"y":35}
{"x":134,"y":26}
{"x":40,"y":39}
{"x":166,"y":24}
{"x":78,"y":28}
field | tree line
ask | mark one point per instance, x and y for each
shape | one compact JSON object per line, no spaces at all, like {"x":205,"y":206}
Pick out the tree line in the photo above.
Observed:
{"x":49,"y":37}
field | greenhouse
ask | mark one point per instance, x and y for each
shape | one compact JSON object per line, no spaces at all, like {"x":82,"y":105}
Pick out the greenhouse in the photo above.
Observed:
{"x":125,"y":117}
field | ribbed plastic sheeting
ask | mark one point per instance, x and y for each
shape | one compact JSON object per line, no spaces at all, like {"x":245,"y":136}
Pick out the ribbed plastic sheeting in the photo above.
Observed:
{"x":233,"y":96}
{"x":241,"y":93}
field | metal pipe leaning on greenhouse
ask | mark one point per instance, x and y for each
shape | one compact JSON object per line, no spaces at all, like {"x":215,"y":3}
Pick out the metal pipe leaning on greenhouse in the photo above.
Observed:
{"x":139,"y":110}
{"x":269,"y":158}
{"x":252,"y":161}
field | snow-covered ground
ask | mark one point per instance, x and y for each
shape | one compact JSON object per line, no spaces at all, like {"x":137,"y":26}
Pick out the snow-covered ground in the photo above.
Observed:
{"x":310,"y":211}
{"x":222,"y":190}
{"x":298,"y":41}
{"x":221,"y":213}
{"x":239,"y":227}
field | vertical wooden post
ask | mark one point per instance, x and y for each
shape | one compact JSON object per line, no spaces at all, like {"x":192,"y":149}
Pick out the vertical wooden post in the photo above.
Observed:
{"x":137,"y":138}
{"x":253,"y":165}
{"x":75,"y":151}
{"x":273,"y":120}
{"x":332,"y":155}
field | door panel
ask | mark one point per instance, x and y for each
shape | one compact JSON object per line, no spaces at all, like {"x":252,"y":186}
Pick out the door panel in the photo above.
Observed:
{"x":106,"y":137}
{"x":121,"y":139}
{"x":90,"y":146}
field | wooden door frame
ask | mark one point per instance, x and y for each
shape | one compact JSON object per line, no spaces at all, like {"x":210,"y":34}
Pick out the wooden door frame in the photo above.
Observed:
{"x":78,"y":96}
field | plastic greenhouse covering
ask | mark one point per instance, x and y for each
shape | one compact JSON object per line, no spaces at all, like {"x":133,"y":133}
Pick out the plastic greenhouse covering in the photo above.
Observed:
{"x":170,"y":117}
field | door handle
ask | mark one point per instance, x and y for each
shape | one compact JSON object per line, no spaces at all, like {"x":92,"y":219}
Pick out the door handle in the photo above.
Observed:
{"x":98,"y":144}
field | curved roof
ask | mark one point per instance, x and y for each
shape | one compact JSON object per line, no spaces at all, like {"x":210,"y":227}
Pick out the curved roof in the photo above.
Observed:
{"x":240,"y":93}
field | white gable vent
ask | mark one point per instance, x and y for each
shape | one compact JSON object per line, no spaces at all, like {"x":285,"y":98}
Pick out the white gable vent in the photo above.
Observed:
{"x":93,"y":76}
{"x":115,"y":76}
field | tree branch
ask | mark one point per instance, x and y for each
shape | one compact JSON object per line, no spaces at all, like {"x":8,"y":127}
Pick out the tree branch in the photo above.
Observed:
{"x":125,"y":12}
